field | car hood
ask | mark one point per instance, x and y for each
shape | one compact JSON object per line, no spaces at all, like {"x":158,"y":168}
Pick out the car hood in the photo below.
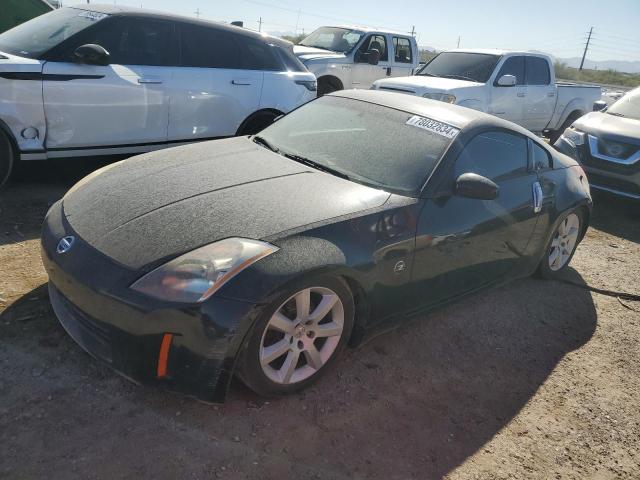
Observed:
{"x":604,"y":125}
{"x":161,"y":204}
{"x":311,"y":53}
{"x":419,"y":84}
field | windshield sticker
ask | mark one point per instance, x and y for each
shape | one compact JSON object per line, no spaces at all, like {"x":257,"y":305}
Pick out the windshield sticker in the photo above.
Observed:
{"x":433,"y":126}
{"x":95,"y":16}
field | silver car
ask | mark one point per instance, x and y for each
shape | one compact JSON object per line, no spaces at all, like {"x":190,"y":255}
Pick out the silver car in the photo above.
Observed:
{"x":607,"y":144}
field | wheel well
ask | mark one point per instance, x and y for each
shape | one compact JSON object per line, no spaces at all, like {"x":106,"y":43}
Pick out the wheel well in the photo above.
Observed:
{"x":256,"y":118}
{"x":333,"y":80}
{"x":572,"y":116}
{"x":586,"y":217}
{"x":362,"y":309}
{"x":9,"y":134}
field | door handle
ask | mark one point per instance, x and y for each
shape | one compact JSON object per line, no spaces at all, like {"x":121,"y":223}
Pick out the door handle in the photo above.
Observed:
{"x":156,"y":81}
{"x":522,"y":94}
{"x":241,"y":81}
{"x":537,"y":197}
{"x":551,"y":94}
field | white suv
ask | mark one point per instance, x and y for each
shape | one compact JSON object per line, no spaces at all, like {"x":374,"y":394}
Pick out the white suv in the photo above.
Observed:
{"x":109,"y":80}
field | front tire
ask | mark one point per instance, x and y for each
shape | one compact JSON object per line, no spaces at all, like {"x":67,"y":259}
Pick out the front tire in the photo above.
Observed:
{"x":562,"y":245}
{"x":7,"y":158}
{"x":298,"y":337}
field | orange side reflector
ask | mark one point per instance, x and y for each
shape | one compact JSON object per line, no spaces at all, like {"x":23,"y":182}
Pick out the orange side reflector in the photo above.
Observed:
{"x":163,"y":356}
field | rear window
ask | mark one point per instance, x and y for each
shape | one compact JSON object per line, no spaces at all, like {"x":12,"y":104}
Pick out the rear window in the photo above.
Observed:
{"x":371,"y":144}
{"x":402,"y":50}
{"x":206,"y":47}
{"x":537,"y":71}
{"x":258,"y":55}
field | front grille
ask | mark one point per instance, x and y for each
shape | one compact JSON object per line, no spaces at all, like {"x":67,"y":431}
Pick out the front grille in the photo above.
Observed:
{"x":87,"y":332}
{"x":596,"y":147}
{"x":615,"y":184}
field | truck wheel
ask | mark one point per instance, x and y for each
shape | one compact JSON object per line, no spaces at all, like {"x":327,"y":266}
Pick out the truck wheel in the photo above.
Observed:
{"x":554,"y":135}
{"x":7,"y":157}
{"x":327,"y":85}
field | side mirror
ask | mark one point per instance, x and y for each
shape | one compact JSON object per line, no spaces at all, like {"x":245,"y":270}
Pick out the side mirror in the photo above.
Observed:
{"x":507,"y":81}
{"x":599,"y":106}
{"x":92,"y":55}
{"x":472,"y":185}
{"x":373,"y":56}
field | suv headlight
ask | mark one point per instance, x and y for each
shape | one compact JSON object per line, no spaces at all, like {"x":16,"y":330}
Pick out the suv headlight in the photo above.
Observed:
{"x":441,"y":97}
{"x":573,"y":137}
{"x":195,"y":276}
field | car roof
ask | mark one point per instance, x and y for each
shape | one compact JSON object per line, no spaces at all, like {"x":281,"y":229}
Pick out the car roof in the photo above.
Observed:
{"x":497,"y":51}
{"x":365,"y":29}
{"x":454,"y":115}
{"x":119,"y":10}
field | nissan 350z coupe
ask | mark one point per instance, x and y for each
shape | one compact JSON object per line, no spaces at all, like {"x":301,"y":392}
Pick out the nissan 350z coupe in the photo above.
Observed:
{"x":263,"y":256}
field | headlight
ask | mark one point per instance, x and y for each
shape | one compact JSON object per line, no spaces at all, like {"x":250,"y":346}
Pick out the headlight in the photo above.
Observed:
{"x":195,"y":276}
{"x":573,"y":137}
{"x":441,"y":97}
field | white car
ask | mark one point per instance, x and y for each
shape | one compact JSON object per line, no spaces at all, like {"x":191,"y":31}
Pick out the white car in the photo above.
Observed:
{"x":516,"y":86}
{"x":107,"y":80}
{"x":345,"y":57}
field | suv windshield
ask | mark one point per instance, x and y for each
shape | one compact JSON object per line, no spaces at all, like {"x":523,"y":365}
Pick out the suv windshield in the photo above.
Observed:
{"x":475,"y":67}
{"x":628,"y":106}
{"x":38,"y":36}
{"x":366,"y":143}
{"x":331,"y":38}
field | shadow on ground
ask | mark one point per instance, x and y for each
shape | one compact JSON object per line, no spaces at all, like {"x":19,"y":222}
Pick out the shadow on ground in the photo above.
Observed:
{"x":413,"y":403}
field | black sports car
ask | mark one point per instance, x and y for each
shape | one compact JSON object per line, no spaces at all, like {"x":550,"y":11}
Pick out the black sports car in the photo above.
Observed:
{"x":264,"y":256}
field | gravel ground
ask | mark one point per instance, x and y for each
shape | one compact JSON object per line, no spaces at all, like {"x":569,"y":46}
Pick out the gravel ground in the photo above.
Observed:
{"x":533,"y":380}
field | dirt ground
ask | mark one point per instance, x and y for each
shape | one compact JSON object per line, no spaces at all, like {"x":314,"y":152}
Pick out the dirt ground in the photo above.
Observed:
{"x":533,"y":380}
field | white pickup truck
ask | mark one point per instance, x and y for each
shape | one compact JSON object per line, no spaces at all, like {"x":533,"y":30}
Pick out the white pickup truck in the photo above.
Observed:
{"x":517,"y":86}
{"x":354,"y":57}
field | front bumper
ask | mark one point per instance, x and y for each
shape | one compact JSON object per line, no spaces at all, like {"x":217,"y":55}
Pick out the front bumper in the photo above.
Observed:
{"x":91,"y":297}
{"x":603,"y":174}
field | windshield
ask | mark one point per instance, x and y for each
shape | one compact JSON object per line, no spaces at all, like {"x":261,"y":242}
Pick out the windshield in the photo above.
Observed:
{"x":628,"y":106}
{"x":475,"y":67}
{"x":331,"y":38}
{"x":37,"y":36}
{"x":370,"y":144}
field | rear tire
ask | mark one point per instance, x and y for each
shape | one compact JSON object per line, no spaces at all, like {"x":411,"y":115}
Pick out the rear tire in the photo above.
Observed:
{"x":7,"y":158}
{"x":257,"y":123}
{"x":295,"y":341}
{"x":562,"y":245}
{"x":327,"y":85}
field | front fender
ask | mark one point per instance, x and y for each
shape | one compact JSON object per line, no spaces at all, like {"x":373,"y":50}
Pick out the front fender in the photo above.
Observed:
{"x":473,"y":104}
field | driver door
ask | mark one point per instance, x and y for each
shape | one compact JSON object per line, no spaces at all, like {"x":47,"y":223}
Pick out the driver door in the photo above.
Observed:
{"x":508,"y":103}
{"x":462,"y":243}
{"x":122,"y":104}
{"x":364,"y":74}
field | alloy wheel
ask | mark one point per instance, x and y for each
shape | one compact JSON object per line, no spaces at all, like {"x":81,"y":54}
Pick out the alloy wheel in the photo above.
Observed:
{"x":302,"y":335}
{"x":564,"y":242}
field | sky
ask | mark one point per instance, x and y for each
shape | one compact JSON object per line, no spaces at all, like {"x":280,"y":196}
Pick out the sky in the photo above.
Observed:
{"x":559,"y":27}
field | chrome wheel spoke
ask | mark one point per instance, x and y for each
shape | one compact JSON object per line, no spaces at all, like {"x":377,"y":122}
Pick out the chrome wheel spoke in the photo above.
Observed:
{"x":313,"y":357}
{"x":328,"y":330}
{"x":289,"y":366}
{"x":275,"y":351}
{"x":554,"y":256}
{"x":303,"y":304}
{"x":323,"y":308}
{"x":281,"y":323}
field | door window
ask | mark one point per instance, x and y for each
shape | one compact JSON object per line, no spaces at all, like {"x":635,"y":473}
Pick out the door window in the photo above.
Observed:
{"x":495,"y":155}
{"x":205,"y":47}
{"x":402,"y":50}
{"x":512,"y":66}
{"x":379,"y":42}
{"x":541,"y":158}
{"x":537,"y":71}
{"x":258,"y":55}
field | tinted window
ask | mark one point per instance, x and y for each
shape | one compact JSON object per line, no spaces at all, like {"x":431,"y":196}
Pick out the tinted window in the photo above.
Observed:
{"x":37,"y":36}
{"x":495,"y":155}
{"x":290,"y":61}
{"x":628,"y":106}
{"x":476,"y":67}
{"x":378,"y":42}
{"x":206,"y":47}
{"x":257,"y":55}
{"x":333,"y":38}
{"x":541,"y":158}
{"x":538,"y":71}
{"x":513,"y":66}
{"x":402,"y":50}
{"x":369,"y":143}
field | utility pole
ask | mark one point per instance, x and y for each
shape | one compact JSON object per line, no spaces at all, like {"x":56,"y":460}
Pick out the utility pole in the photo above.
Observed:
{"x":586,"y":47}
{"x":260,"y":25}
{"x":413,"y":31}
{"x":197,"y":12}
{"x":458,"y":41}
